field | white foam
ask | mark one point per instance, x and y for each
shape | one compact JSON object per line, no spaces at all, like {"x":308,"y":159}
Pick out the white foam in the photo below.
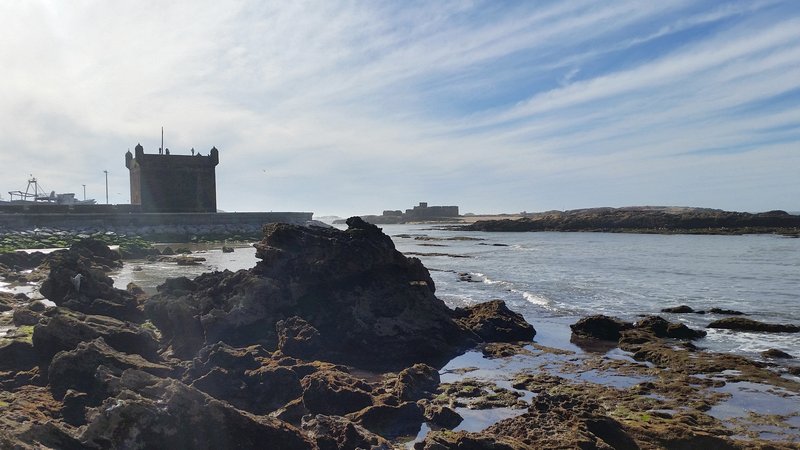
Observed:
{"x":487,"y":280}
{"x":536,"y":299}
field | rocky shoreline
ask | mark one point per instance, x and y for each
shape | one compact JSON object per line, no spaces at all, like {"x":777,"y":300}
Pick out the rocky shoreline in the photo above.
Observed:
{"x":335,"y":340}
{"x":658,"y":220}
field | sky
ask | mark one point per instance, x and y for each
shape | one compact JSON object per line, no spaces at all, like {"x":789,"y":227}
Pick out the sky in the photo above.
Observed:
{"x":353,"y":107}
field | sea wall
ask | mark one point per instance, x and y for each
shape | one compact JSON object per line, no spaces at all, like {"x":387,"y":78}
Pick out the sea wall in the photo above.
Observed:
{"x":149,"y":223}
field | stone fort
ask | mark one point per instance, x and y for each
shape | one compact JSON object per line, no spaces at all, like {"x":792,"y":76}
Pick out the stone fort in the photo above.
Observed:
{"x":164,"y":183}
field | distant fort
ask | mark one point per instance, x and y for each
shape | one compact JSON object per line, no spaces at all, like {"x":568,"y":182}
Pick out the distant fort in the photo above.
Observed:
{"x":419,"y":213}
{"x":166,"y":191}
{"x":424,"y":212}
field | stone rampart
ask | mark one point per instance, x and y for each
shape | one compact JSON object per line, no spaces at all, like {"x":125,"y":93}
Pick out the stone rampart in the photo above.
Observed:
{"x":144,"y":222}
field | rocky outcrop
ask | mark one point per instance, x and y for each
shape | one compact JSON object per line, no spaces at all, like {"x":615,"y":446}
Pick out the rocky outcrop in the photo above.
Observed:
{"x":336,"y":433}
{"x":244,"y":377}
{"x":298,"y":338}
{"x":77,"y":280}
{"x":662,"y":328}
{"x":742,"y":324}
{"x":775,"y":353}
{"x":333,"y":392}
{"x":542,"y":426}
{"x":17,"y":355}
{"x":239,"y":359}
{"x":493,"y":322}
{"x":685,"y":309}
{"x":600,"y":327}
{"x":341,"y":296}
{"x":442,"y":416}
{"x":648,"y":220}
{"x":76,"y":369}
{"x":682,"y":309}
{"x":150,"y":412}
{"x":28,"y":419}
{"x":391,"y":421}
{"x":468,"y":441}
{"x":726,"y":312}
{"x":62,"y":329}
{"x":18,"y":261}
{"x":416,"y":382}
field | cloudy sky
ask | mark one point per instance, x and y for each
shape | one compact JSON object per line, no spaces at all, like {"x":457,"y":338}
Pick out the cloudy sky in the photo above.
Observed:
{"x":343,"y":107}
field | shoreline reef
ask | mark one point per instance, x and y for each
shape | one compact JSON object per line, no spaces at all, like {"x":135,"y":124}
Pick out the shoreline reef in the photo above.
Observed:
{"x":652,"y":220}
{"x":335,"y":340}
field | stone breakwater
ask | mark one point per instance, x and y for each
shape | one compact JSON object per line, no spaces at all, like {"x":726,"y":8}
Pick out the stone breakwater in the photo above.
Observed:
{"x":32,"y":231}
{"x":335,"y":340}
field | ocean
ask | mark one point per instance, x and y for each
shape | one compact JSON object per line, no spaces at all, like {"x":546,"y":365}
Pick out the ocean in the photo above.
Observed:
{"x":554,"y":279}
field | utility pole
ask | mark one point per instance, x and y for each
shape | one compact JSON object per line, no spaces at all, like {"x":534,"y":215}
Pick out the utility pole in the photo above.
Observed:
{"x":106,"y":172}
{"x":84,"y":192}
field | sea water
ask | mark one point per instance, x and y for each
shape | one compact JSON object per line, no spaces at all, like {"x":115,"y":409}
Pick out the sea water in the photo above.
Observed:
{"x":553,"y":279}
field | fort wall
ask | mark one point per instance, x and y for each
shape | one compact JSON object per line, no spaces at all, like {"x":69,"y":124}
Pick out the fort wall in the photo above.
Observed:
{"x":29,"y":221}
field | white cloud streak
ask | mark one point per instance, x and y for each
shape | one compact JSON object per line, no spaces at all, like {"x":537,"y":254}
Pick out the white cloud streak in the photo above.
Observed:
{"x":355,"y":107}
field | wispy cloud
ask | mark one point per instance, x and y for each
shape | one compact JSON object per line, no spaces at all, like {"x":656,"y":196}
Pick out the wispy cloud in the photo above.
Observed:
{"x":356,"y":107}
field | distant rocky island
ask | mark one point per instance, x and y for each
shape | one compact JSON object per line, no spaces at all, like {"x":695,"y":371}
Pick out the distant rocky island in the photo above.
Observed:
{"x":649,"y":219}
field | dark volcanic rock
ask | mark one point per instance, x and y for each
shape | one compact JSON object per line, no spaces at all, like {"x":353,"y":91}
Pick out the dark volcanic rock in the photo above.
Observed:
{"x":600,"y":327}
{"x":442,"y":416}
{"x":244,"y":377}
{"x":76,"y":369}
{"x":416,"y":382}
{"x":7,"y":301}
{"x":337,"y":433}
{"x":100,"y":254}
{"x":542,"y":425}
{"x":75,"y":405}
{"x":683,"y":309}
{"x":727,"y":312}
{"x":370,"y":305}
{"x":334,"y":392}
{"x":18,"y":261}
{"x":177,"y":316}
{"x":776,"y":354}
{"x":221,"y":355}
{"x":662,"y":328}
{"x":463,"y":440}
{"x":494,"y":322}
{"x":63,"y":329}
{"x":36,"y":436}
{"x":77,"y":281}
{"x":149,"y":412}
{"x":298,"y":338}
{"x":26,"y":316}
{"x":17,"y":354}
{"x":391,"y":421}
{"x":742,"y":324}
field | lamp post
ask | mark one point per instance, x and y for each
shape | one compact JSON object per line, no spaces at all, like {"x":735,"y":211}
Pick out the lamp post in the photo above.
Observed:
{"x":84,"y":192}
{"x":106,"y":172}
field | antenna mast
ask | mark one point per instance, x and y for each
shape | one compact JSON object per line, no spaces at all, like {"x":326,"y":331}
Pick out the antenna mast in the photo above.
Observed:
{"x":161,"y":150}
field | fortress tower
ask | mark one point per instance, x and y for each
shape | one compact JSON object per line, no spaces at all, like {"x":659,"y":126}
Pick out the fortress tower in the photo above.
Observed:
{"x":173,"y":183}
